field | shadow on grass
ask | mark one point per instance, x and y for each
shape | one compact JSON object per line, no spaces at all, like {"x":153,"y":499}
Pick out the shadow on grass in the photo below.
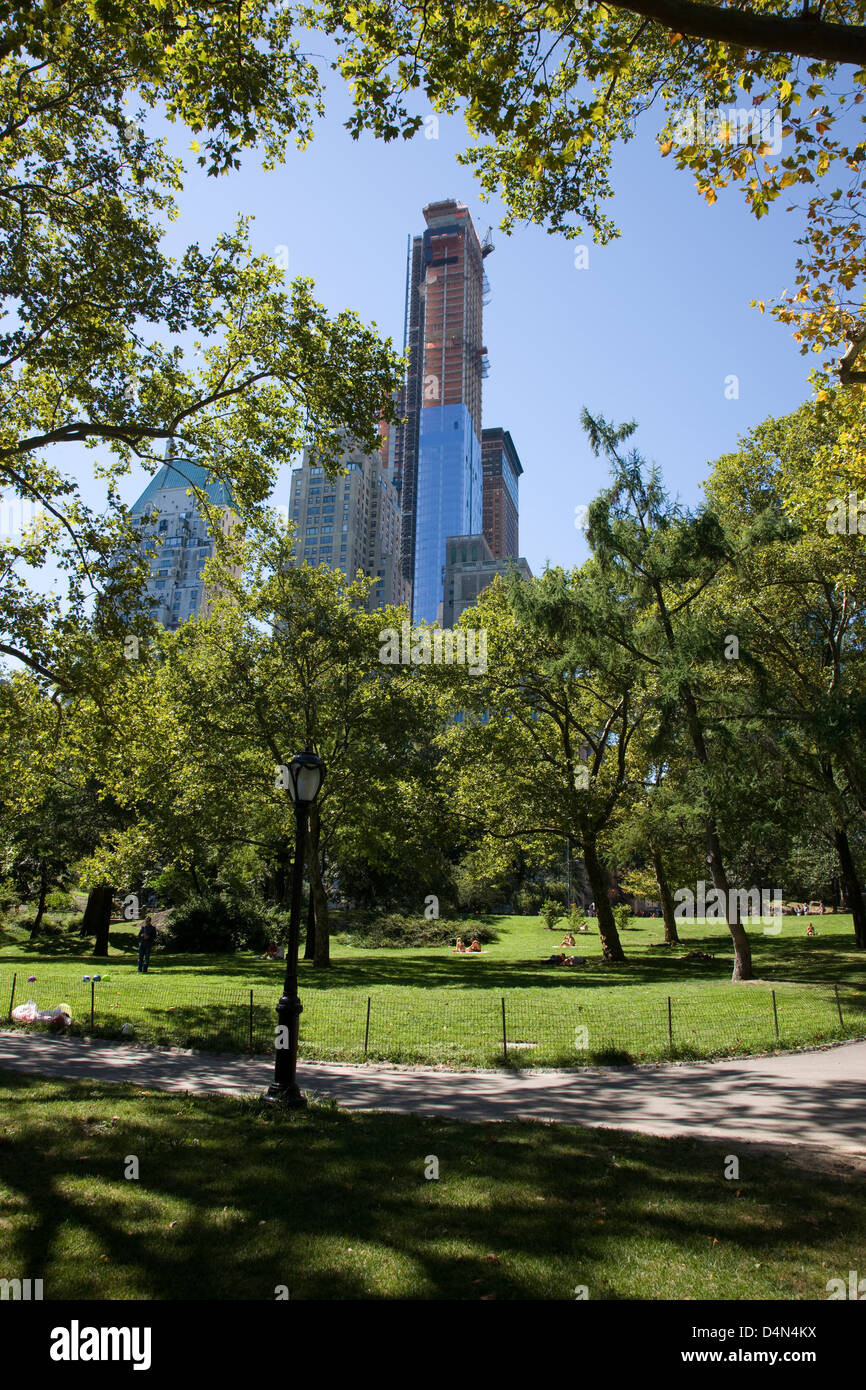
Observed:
{"x":234,"y":1199}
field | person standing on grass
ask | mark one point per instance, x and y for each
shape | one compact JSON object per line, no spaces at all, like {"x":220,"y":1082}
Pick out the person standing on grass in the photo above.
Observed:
{"x":146,"y":938}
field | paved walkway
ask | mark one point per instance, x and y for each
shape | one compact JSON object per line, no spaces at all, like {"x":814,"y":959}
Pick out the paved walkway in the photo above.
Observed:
{"x":815,"y":1098}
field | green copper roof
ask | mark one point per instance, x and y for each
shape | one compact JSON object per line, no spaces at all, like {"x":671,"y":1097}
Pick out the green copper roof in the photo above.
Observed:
{"x":182,"y":474}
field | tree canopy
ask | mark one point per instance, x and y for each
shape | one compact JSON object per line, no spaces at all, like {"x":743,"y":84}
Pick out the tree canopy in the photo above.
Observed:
{"x":761,"y":96}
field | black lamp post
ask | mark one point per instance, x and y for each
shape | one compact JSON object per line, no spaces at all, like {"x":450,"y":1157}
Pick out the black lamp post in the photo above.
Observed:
{"x":306,"y":773}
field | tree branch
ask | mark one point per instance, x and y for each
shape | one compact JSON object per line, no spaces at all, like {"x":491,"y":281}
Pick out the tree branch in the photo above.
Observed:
{"x":799,"y":37}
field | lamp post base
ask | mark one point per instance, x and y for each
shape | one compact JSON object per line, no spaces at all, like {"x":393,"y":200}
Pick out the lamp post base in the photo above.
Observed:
{"x":290,"y":1096}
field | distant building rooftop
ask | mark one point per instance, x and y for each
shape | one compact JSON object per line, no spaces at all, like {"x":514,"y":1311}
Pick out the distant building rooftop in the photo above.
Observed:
{"x":182,"y":474}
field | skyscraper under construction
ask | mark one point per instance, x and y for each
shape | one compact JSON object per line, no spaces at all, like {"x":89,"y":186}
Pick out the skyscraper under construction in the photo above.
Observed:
{"x":438,"y":449}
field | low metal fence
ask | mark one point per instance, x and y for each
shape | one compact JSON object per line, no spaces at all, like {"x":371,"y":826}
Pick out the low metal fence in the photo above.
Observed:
{"x":547,"y":1026}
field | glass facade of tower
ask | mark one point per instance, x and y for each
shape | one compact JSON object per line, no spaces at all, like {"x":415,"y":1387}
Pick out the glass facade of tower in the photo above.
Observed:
{"x":449,"y":498}
{"x":174,"y":513}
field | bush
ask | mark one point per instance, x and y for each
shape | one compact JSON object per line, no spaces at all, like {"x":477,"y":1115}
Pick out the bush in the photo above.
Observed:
{"x":210,"y":923}
{"x":9,"y":896}
{"x":551,"y":911}
{"x":374,"y":931}
{"x":58,"y":901}
{"x":577,"y":918}
{"x":527,"y":902}
{"x":622,"y":916}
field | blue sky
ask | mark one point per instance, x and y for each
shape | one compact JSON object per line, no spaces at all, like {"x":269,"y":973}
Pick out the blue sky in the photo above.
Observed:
{"x":650,"y":330}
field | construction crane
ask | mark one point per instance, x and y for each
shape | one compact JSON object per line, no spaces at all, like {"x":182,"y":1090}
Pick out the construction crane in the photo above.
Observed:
{"x":487,"y":244}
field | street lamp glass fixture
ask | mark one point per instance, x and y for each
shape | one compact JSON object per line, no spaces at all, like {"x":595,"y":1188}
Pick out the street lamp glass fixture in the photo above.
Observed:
{"x":306,"y":775}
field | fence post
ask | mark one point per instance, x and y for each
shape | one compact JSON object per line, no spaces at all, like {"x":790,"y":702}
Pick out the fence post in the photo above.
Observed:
{"x":838,"y":1005}
{"x":504,"y":1034}
{"x":12,"y":997}
{"x":367,"y":1027}
{"x":251,"y":1020}
{"x":775,"y":1014}
{"x":92,"y":1003}
{"x":670,"y":1027}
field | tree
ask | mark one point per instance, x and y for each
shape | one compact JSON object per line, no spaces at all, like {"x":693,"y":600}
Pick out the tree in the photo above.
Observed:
{"x":542,"y":750}
{"x":549,"y":90}
{"x":203,"y":734}
{"x":658,"y":561}
{"x":798,"y":607}
{"x":53,"y":809}
{"x":110,"y":343}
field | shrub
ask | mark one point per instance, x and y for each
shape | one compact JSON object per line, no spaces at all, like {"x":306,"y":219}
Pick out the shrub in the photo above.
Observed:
{"x":374,"y":931}
{"x":9,"y":896}
{"x":576,"y":918}
{"x":551,"y":911}
{"x":211,"y":923}
{"x":527,"y":901}
{"x":622,"y":916}
{"x":58,"y":901}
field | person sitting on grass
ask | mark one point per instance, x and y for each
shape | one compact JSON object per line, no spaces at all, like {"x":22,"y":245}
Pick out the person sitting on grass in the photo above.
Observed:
{"x":810,"y":930}
{"x":459,"y":945}
{"x":567,"y":940}
{"x":475,"y":945}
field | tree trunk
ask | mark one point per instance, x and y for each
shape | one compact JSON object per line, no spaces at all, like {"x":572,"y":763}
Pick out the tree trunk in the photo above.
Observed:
{"x":665,"y":897}
{"x":322,"y":948}
{"x":43,"y":894}
{"x":283,"y":873}
{"x":851,"y":886}
{"x":97,"y":917}
{"x":739,"y":936}
{"x":310,"y":943}
{"x":611,"y":945}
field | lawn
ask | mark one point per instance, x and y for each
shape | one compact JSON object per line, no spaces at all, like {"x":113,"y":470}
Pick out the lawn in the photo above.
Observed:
{"x":429,"y":1005}
{"x":234,"y":1199}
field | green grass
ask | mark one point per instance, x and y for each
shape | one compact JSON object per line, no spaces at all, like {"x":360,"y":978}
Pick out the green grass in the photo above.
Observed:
{"x":430,"y":1006}
{"x":234,"y":1199}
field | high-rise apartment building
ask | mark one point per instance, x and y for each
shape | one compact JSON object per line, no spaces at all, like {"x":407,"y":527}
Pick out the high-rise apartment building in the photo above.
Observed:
{"x":437,"y":451}
{"x":470,"y":566}
{"x":166,"y":511}
{"x":352,"y":523}
{"x":501,"y":468}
